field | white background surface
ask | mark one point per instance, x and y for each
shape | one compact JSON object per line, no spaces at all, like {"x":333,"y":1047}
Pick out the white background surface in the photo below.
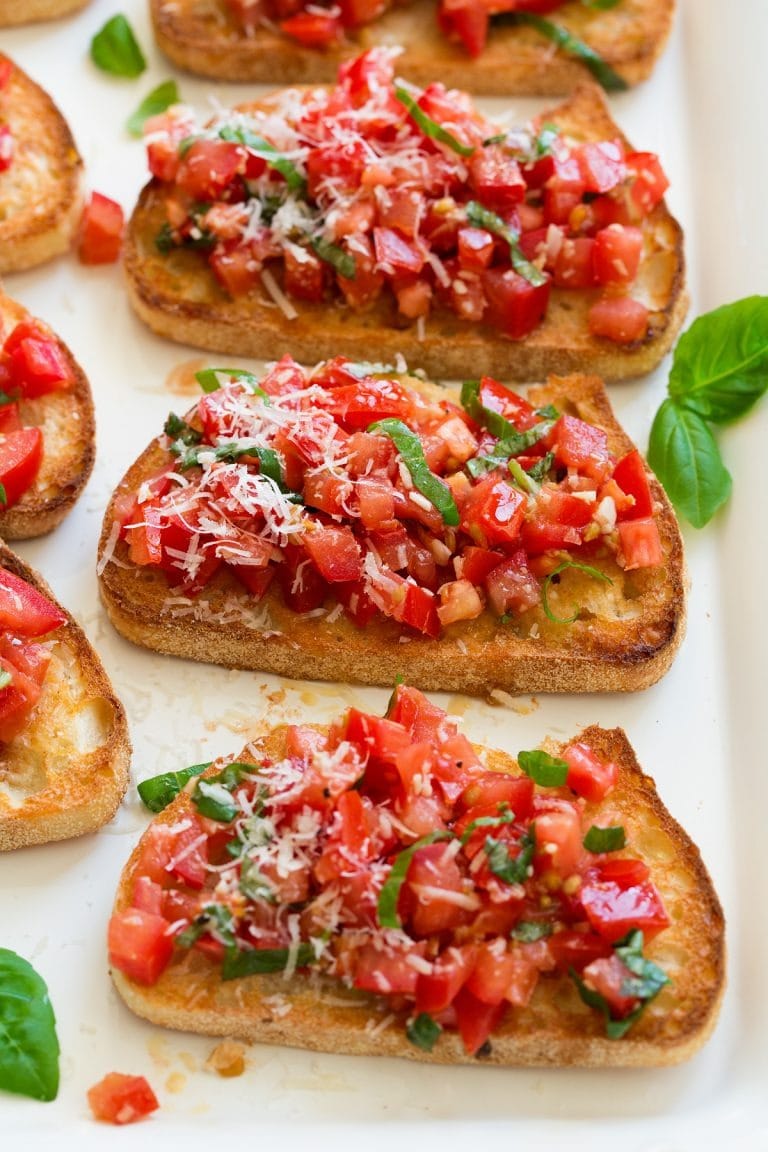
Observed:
{"x":701,"y":732}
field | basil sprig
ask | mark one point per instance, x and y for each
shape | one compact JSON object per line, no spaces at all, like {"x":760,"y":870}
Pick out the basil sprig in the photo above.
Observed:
{"x":158,"y":791}
{"x":429,"y":126}
{"x":595,"y":573}
{"x":571,"y":45}
{"x":390,"y":892}
{"x":719,"y":371}
{"x":115,"y":49}
{"x":512,"y":870}
{"x":343,"y":262}
{"x":409,"y":446}
{"x":605,"y":839}
{"x":645,"y":982}
{"x":545,"y":770}
{"x":29,"y":1047}
{"x":273,"y":158}
{"x":482,"y":217}
{"x":423,"y":1031}
{"x":153,"y":104}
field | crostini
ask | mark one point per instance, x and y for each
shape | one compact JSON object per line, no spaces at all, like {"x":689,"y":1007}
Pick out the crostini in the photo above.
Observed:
{"x":372,"y":219}
{"x":468,"y":45}
{"x":41,"y":174}
{"x":384,"y":887}
{"x":15,"y":12}
{"x":347,"y":523}
{"x":64,"y":745}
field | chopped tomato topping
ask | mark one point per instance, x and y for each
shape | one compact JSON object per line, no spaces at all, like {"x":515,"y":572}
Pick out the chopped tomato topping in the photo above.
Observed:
{"x":121,"y":1099}
{"x":101,"y":231}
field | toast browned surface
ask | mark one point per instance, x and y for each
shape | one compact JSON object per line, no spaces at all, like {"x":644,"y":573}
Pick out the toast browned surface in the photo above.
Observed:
{"x":556,"y":1029}
{"x":14,"y":12}
{"x":66,"y":419}
{"x":66,"y":772}
{"x":178,"y":296}
{"x":624,"y":639}
{"x":41,"y":193}
{"x":202,"y":37}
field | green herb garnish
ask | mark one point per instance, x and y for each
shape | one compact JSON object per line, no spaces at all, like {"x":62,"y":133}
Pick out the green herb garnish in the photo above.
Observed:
{"x":423,"y":1031}
{"x":645,"y":982}
{"x":390,"y":892}
{"x":571,"y":45}
{"x":529,"y":931}
{"x":115,"y":49}
{"x":158,"y":791}
{"x":482,"y":217}
{"x":411,"y":452}
{"x":215,"y":919}
{"x":429,"y":126}
{"x":545,"y":770}
{"x":213,"y":796}
{"x":269,"y":461}
{"x":506,"y":816}
{"x":178,"y":429}
{"x":343,"y":262}
{"x":153,"y":104}
{"x":273,"y":158}
{"x":261,"y":961}
{"x":605,"y":839}
{"x":512,"y":870}
{"x":590,"y":571}
{"x":512,"y":444}
{"x":209,"y":380}
{"x":3,"y":494}
{"x":29,"y":1047}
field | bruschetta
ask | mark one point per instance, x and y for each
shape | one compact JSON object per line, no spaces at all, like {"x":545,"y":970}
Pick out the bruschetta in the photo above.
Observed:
{"x":471,"y":45}
{"x":64,"y":746}
{"x":350,"y":524}
{"x":41,"y":174}
{"x":384,"y":887}
{"x":47,"y":429}
{"x":374,"y":218}
{"x":14,"y":12}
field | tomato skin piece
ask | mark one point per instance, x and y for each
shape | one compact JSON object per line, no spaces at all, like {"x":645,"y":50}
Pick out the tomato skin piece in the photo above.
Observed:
{"x":423,"y":719}
{"x":639,"y":544}
{"x":25,"y":611}
{"x":631,"y":476}
{"x":335,"y":552}
{"x":37,"y":362}
{"x":376,"y":736}
{"x":476,"y":1020}
{"x":139,"y":945}
{"x":466,"y":20}
{"x":101,"y":231}
{"x":589,"y":776}
{"x":614,"y":911}
{"x":625,"y":871}
{"x":21,"y":454}
{"x":121,"y":1099}
{"x":208,"y":169}
{"x":494,"y":512}
{"x":619,"y":318}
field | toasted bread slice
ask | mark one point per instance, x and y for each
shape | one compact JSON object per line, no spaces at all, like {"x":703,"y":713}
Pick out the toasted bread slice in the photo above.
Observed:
{"x":66,"y":419}
{"x":555,"y":1029}
{"x":178,"y":296}
{"x":204,"y":38}
{"x":13,"y":12}
{"x":625,"y":637}
{"x":41,"y":193}
{"x":66,"y":772}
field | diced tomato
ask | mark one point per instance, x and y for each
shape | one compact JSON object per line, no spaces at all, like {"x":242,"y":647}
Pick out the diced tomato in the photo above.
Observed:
{"x":335,"y":552}
{"x":386,"y":973}
{"x":614,"y":911}
{"x":121,"y":1099}
{"x":616,"y":254}
{"x":414,"y":297}
{"x":574,"y":267}
{"x":490,"y":790}
{"x":208,"y":168}
{"x":147,"y":895}
{"x":507,"y":403}
{"x":511,"y":586}
{"x":10,"y":421}
{"x":302,"y":586}
{"x":608,"y":976}
{"x":631,"y":476}
{"x":339,"y":165}
{"x":558,"y":841}
{"x":395,"y":253}
{"x":476,"y":248}
{"x":556,"y":521}
{"x":356,"y":602}
{"x":466,"y":20}
{"x":366,"y":285}
{"x":601,"y":165}
{"x":304,"y":278}
{"x":515,"y":306}
{"x":21,"y":454}
{"x":639,"y":544}
{"x":459,"y":600}
{"x":577,"y":444}
{"x":423,"y":719}
{"x":437,"y":989}
{"x":25,"y":611}
{"x":588,"y":775}
{"x":19,"y":696}
{"x":571,"y":949}
{"x":378,"y":737}
{"x":38,"y":364}
{"x":326,"y":492}
{"x":139,"y":945}
{"x":623,"y":870}
{"x":101,"y":231}
{"x":475,"y":1019}
{"x":494,"y":512}
{"x":649,"y":183}
{"x":401,"y":209}
{"x":236,"y":266}
{"x":496,"y":178}
{"x":314,"y":29}
{"x":256,"y":581}
{"x":189,"y":855}
{"x":619,"y":318}
{"x":428,"y":901}
{"x":419,"y":610}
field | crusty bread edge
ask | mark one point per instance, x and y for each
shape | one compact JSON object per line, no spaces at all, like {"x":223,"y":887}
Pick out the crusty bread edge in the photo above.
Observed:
{"x":16,"y":12}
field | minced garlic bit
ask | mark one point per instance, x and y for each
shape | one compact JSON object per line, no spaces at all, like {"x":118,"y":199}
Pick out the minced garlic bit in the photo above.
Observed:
{"x":227,"y":1059}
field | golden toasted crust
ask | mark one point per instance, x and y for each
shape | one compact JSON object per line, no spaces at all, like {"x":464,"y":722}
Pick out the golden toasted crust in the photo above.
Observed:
{"x":66,"y":419}
{"x":13,"y":12}
{"x":177,"y":296}
{"x":66,"y":772}
{"x":201,"y":36}
{"x":41,"y":193}
{"x":625,"y":637}
{"x":556,"y":1029}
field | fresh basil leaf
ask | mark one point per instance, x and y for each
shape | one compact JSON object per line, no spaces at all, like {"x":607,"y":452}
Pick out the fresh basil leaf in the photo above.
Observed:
{"x":215,"y":919}
{"x":214,"y":800}
{"x":409,"y":447}
{"x":504,"y":817}
{"x":178,"y":429}
{"x":548,"y":412}
{"x":29,"y":1048}
{"x":153,"y":104}
{"x":512,"y":870}
{"x":343,"y":262}
{"x":390,"y":892}
{"x":482,"y":217}
{"x":512,"y":444}
{"x":647,"y":978}
{"x":595,"y":573}
{"x":158,"y":791}
{"x":684,"y":455}
{"x":569,"y":44}
{"x":429,"y":126}
{"x":210,"y":380}
{"x":269,"y":461}
{"x":545,"y":770}
{"x":541,"y":469}
{"x":614,"y":1029}
{"x":605,"y":839}
{"x":115,"y":49}
{"x":529,"y":931}
{"x":423,"y":1031}
{"x":268,"y":153}
{"x":261,"y":961}
{"x":720,"y":366}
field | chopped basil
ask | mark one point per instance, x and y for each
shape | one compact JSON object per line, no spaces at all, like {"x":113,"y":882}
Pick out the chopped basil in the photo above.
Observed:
{"x":429,"y":126}
{"x":645,"y":982}
{"x":29,"y":1047}
{"x":513,"y":443}
{"x":3,"y":494}
{"x":179,"y":430}
{"x":215,"y":919}
{"x":539,"y":471}
{"x":545,"y":770}
{"x":504,"y":817}
{"x":115,"y":49}
{"x":594,"y":572}
{"x":512,"y":870}
{"x":605,"y":839}
{"x":213,"y":796}
{"x":269,"y":461}
{"x":166,"y":240}
{"x":571,"y":45}
{"x":482,"y":217}
{"x":261,"y":961}
{"x":343,"y":262}
{"x":529,"y":931}
{"x":209,"y":380}
{"x":390,"y":892}
{"x":253,"y":884}
{"x":423,"y":1031}
{"x":548,"y":412}
{"x":153,"y":104}
{"x":409,"y":446}
{"x":268,"y":153}
{"x":158,"y":791}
